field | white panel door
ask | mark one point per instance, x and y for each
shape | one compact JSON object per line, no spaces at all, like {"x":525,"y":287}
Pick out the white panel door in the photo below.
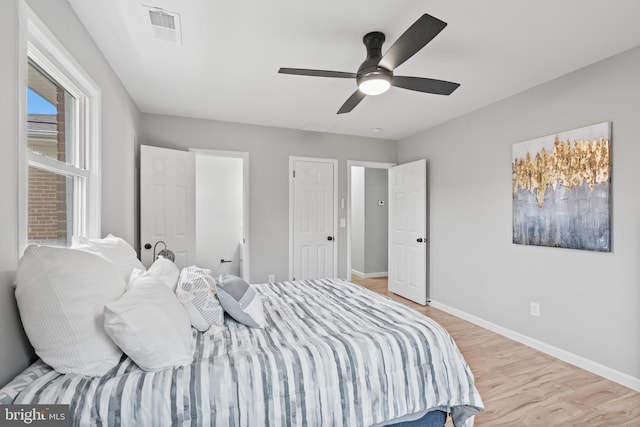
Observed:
{"x":313,"y":219}
{"x":167,"y":203}
{"x":407,"y":230}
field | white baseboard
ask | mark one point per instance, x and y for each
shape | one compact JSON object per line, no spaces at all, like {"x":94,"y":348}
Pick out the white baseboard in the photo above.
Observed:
{"x":579,"y":361}
{"x":369,"y":275}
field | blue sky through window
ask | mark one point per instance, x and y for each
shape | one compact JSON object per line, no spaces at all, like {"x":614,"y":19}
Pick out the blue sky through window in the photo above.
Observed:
{"x":38,"y":105}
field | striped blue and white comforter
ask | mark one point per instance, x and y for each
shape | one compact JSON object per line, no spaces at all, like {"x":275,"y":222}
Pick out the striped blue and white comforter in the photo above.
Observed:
{"x":332,"y":354}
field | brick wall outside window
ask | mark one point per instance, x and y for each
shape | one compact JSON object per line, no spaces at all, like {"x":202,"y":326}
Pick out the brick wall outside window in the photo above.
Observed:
{"x":47,"y":206}
{"x":47,"y":202}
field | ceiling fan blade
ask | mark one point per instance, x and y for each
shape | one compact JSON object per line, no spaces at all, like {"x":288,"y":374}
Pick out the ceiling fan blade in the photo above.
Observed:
{"x":351,"y":103}
{"x":411,"y":41}
{"x":317,"y":73}
{"x":420,"y":84}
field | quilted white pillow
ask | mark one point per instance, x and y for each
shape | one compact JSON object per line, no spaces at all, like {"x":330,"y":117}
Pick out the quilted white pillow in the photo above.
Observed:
{"x":197,"y":292}
{"x":114,"y":249}
{"x":61,"y":295}
{"x":150,"y":326}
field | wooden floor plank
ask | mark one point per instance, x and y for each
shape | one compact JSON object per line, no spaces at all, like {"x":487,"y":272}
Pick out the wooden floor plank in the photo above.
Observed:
{"x":521,"y":386}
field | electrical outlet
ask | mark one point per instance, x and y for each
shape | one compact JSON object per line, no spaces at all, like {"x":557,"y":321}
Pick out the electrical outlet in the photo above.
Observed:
{"x":535,"y":309}
{"x":272,"y":278}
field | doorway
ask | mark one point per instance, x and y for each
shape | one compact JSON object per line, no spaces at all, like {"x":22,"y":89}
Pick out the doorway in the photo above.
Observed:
{"x":367,"y":218}
{"x":203,"y":216}
{"x":222,"y":206}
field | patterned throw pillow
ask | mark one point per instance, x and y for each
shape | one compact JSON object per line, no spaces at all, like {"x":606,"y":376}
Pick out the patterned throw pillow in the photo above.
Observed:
{"x":196,"y":291}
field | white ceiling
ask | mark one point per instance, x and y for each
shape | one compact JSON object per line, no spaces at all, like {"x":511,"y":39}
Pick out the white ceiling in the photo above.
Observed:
{"x":226,"y":68}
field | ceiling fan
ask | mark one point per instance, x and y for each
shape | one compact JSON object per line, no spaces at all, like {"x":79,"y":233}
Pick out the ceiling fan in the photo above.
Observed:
{"x":375,"y":74}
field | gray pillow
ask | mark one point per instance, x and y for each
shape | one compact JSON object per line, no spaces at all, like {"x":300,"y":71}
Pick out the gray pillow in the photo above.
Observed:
{"x":240,"y":301}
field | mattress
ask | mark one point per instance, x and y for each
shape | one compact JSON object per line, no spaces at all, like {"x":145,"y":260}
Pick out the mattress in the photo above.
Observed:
{"x":332,"y":354}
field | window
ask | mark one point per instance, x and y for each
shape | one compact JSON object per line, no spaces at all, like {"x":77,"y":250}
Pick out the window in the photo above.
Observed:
{"x":53,"y":169}
{"x":61,"y":144}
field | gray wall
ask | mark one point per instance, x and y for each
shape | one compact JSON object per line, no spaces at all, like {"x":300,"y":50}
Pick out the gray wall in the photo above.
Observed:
{"x":589,"y":301}
{"x":376,"y":220}
{"x":269,"y":150}
{"x":14,"y":351}
{"x":120,"y":121}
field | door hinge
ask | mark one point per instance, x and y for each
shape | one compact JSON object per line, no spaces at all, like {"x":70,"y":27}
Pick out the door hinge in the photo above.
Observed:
{"x":294,"y":173}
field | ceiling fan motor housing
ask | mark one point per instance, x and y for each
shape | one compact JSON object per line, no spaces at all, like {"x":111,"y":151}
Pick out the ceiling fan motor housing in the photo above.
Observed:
{"x":369,"y":69}
{"x":373,"y":42}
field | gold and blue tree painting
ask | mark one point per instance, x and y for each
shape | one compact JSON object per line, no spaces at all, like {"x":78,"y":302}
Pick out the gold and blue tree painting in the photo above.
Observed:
{"x":561,"y":190}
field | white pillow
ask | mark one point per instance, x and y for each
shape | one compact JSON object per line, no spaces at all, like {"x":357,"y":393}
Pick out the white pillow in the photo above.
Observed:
{"x":150,"y":326}
{"x":197,"y":292}
{"x":196,"y":319}
{"x":241,"y":301}
{"x":113,"y":249}
{"x":61,"y":295}
{"x":163,"y":270}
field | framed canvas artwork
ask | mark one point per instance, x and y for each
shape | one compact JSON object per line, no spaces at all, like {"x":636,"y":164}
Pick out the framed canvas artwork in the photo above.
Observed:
{"x":561,"y":189}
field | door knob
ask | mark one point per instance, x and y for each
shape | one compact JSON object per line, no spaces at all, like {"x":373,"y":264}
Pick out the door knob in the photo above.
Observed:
{"x":420,"y":240}
{"x":329,"y":238}
{"x":147,"y":246}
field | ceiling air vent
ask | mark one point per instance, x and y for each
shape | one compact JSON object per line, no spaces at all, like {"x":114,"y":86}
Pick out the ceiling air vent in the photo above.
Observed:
{"x":164,"y":25}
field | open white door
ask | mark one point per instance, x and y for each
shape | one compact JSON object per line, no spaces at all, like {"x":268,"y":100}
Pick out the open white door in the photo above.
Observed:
{"x":407,"y":230}
{"x":167,"y":203}
{"x":313,"y":218}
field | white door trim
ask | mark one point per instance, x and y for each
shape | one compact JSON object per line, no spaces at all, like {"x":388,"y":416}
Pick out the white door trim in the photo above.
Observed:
{"x":292,"y":159}
{"x":366,"y":164}
{"x":246,"y":270}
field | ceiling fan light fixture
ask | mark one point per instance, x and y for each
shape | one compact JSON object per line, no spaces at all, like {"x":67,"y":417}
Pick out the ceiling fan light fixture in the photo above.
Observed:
{"x":374,"y":83}
{"x":375,"y":74}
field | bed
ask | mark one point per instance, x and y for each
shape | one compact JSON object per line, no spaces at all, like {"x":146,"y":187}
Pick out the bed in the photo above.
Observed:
{"x":332,"y":354}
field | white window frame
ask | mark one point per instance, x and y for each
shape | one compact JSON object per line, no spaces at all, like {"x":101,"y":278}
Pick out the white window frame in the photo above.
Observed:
{"x":41,"y":46}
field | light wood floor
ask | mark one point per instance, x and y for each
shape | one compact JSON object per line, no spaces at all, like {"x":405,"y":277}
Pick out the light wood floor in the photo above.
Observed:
{"x":524,"y":387}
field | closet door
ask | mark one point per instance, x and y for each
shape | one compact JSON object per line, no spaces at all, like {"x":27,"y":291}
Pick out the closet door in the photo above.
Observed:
{"x":313,"y":217}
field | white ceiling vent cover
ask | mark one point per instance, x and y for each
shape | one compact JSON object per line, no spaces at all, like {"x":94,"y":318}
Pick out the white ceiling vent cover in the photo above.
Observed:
{"x":164,"y":25}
